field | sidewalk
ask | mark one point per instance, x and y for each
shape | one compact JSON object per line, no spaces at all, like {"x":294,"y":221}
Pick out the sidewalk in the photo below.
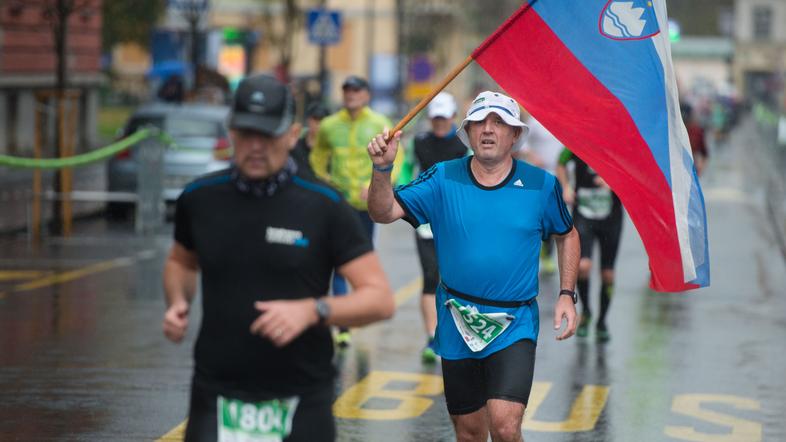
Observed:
{"x":16,"y":189}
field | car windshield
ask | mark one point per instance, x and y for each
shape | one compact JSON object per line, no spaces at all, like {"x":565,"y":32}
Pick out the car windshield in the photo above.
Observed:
{"x":180,"y":127}
{"x":185,"y":128}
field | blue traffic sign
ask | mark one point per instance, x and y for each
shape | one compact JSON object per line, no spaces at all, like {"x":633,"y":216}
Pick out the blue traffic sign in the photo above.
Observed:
{"x":324,"y":27}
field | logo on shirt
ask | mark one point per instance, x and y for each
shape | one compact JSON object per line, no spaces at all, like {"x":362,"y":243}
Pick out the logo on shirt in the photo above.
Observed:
{"x":279,"y":235}
{"x":518,"y":183}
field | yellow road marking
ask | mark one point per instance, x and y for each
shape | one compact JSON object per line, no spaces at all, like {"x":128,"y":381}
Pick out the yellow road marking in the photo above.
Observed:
{"x":410,"y":403}
{"x":583,"y":414}
{"x":13,"y":275}
{"x":176,"y":434}
{"x":401,"y":296}
{"x":739,"y":429}
{"x":405,"y":293}
{"x":59,"y":278}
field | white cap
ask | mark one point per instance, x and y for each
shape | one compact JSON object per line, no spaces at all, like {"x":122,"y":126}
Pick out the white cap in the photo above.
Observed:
{"x":442,"y":105}
{"x":502,"y":105}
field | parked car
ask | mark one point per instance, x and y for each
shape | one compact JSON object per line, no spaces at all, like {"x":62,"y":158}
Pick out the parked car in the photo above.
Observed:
{"x":201,"y":146}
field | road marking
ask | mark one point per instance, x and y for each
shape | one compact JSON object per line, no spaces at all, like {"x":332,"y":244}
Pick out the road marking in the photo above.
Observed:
{"x":742,"y":430}
{"x":583,"y":414}
{"x":406,"y":293}
{"x":410,"y":402}
{"x":14,"y":275}
{"x":176,"y":434}
{"x":59,"y":278}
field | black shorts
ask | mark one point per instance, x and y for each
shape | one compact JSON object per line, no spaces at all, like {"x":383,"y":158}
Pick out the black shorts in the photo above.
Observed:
{"x":313,"y":420}
{"x":506,"y":374}
{"x":606,"y":231}
{"x":428,"y":263}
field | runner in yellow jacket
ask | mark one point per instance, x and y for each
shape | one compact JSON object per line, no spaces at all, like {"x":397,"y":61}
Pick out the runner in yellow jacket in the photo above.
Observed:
{"x":339,"y":156}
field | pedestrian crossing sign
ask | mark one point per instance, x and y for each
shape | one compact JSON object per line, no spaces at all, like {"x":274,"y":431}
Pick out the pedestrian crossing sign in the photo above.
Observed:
{"x":324,"y":27}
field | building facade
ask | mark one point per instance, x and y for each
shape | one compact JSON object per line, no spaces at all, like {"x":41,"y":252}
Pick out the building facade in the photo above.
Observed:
{"x":27,"y":69}
{"x":242,"y":36}
{"x":760,"y":53}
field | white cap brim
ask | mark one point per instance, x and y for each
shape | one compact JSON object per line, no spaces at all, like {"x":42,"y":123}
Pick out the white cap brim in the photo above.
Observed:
{"x":481,"y":114}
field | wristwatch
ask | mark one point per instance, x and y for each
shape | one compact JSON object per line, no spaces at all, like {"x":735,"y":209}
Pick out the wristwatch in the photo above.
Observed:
{"x":323,"y":310}
{"x":571,"y":293}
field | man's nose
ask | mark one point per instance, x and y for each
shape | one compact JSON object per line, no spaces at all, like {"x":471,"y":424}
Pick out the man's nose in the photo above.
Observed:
{"x":257,"y":144}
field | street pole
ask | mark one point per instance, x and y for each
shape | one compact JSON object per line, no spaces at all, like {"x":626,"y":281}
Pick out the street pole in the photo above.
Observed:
{"x":401,"y":57}
{"x":370,"y":28}
{"x":323,"y":86}
{"x":62,"y":12}
{"x":192,"y":12}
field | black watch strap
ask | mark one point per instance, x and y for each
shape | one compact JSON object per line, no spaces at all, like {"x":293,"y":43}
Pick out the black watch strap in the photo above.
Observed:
{"x":571,"y":293}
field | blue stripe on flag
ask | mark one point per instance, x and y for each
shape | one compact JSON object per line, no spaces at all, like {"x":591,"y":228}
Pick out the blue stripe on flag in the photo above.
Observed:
{"x":640,"y":87}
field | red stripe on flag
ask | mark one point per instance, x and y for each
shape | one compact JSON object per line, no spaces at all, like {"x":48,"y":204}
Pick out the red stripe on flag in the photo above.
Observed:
{"x":533,"y":65}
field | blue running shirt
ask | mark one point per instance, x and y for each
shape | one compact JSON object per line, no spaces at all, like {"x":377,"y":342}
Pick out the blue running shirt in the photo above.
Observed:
{"x":488,"y":242}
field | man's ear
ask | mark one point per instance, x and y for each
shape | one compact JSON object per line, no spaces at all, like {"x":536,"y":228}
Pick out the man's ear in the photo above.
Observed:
{"x":293,"y":134}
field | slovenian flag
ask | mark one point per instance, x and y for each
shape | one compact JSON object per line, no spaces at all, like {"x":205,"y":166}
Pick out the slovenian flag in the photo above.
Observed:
{"x":598,"y":74}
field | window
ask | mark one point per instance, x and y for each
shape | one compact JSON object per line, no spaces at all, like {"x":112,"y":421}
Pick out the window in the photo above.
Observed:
{"x":762,"y":22}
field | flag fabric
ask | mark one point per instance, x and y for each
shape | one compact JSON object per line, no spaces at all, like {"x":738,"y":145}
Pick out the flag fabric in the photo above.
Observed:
{"x":598,"y":74}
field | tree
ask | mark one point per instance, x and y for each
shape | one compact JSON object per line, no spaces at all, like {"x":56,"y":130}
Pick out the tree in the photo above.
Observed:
{"x":282,"y":37}
{"x":57,"y":13}
{"x":126,"y":21}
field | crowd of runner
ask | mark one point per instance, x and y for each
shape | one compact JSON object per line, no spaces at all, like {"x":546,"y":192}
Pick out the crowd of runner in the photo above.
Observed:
{"x":293,"y":220}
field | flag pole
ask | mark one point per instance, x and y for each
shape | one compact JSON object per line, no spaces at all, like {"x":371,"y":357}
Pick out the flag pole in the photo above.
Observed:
{"x":453,"y":74}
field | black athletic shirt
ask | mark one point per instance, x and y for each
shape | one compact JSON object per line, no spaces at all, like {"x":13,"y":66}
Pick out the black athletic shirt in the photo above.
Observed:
{"x":585,"y":178}
{"x":252,"y":248}
{"x":431,"y":149}
{"x":300,"y":154}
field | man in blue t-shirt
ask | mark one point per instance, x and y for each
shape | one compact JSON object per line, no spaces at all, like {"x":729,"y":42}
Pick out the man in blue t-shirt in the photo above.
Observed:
{"x":489,"y":214}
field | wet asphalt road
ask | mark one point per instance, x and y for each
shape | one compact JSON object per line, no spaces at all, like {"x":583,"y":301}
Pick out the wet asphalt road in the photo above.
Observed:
{"x":82,"y":356}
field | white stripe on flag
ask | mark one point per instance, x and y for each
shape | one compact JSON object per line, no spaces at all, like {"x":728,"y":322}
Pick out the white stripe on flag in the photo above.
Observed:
{"x":681,"y":176}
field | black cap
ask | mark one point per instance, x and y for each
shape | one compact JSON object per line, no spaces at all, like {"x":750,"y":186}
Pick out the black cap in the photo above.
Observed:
{"x":355,"y":82}
{"x":317,"y":110}
{"x":262,"y":104}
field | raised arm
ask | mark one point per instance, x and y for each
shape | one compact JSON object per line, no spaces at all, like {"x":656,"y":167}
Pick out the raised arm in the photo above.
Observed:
{"x":382,"y":206}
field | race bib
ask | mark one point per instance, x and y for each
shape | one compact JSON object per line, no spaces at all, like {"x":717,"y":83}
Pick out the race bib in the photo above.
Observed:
{"x":424,"y":231}
{"x":268,"y":421}
{"x":477,"y":329}
{"x":594,"y":203}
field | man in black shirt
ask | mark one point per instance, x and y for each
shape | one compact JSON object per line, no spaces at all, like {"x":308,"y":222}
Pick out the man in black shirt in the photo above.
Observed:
{"x":266,"y":240}
{"x":597,"y":215}
{"x":428,"y":149}
{"x":314,"y":114}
